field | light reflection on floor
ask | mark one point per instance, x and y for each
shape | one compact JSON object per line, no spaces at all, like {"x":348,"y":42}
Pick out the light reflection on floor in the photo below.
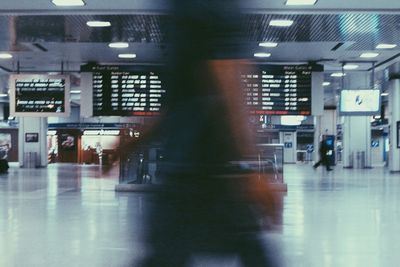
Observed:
{"x":70,"y":215}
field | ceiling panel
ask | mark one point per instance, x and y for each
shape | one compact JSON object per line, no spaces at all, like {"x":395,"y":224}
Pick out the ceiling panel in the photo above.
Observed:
{"x":259,"y":6}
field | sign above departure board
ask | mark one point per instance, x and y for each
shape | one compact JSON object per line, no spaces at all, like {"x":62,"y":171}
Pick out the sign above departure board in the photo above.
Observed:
{"x":278,"y":89}
{"x":127,"y":91}
{"x":34,"y":95}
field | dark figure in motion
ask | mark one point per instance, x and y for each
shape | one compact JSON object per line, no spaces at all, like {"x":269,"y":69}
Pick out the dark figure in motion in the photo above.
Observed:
{"x":323,"y":156}
{"x":208,"y":205}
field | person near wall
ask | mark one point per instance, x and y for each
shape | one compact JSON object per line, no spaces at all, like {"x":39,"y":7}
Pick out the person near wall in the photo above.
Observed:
{"x":3,"y":158}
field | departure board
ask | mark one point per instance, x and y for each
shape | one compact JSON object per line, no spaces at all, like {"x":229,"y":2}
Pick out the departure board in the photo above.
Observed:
{"x":278,"y":90}
{"x":120,"y":92}
{"x":39,"y":95}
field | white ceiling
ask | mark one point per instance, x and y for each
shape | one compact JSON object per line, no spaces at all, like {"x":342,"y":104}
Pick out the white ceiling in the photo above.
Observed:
{"x":70,"y":54}
{"x":127,"y":6}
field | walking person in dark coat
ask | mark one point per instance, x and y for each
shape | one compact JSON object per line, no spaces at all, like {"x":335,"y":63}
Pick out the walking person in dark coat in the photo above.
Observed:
{"x":323,"y":156}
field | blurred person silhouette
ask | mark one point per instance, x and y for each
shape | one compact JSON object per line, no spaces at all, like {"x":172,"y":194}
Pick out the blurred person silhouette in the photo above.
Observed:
{"x":208,"y":203}
{"x":323,"y":156}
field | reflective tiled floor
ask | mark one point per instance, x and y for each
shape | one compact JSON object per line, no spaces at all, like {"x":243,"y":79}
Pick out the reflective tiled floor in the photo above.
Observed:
{"x":70,"y":215}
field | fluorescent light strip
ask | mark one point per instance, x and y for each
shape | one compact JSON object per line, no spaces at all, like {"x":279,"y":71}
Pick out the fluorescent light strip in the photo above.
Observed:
{"x":3,"y":95}
{"x":75,"y":91}
{"x":68,"y":2}
{"x":98,"y":23}
{"x":385,"y":46}
{"x":338,"y":74}
{"x":350,"y":67}
{"x":5,"y":56}
{"x":268,"y":44}
{"x":127,"y":55}
{"x":101,"y":132}
{"x":300,"y":2}
{"x":326,"y":83}
{"x":281,"y":23}
{"x":384,"y":94}
{"x":262,"y":54}
{"x":118,"y":45}
{"x":369,"y":55}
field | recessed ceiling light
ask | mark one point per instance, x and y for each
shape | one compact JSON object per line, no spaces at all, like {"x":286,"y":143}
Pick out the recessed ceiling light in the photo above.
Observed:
{"x":98,"y":23}
{"x":386,"y":46}
{"x":350,"y":66}
{"x":5,"y":55}
{"x":118,"y":45}
{"x":338,"y":74}
{"x":127,"y":55}
{"x":369,"y":55}
{"x":300,"y":2}
{"x":268,"y":44}
{"x":3,"y":95}
{"x":326,"y":83}
{"x":281,"y":22}
{"x":384,"y":94}
{"x":75,"y":91}
{"x":262,"y":54}
{"x":68,"y":2}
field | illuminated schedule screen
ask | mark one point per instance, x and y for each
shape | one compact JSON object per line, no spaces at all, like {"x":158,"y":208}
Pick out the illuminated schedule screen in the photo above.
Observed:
{"x":126,"y":90}
{"x":39,"y":95}
{"x":278,"y":90}
{"x":127,"y":93}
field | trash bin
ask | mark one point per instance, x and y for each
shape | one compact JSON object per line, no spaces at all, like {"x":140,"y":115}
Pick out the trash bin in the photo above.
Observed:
{"x":360,"y":160}
{"x":30,"y":160}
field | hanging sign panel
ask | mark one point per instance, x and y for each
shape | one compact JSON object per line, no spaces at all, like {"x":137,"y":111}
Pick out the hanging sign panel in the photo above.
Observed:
{"x":33,"y":95}
{"x":361,"y":102}
{"x":126,"y":90}
{"x":278,"y":89}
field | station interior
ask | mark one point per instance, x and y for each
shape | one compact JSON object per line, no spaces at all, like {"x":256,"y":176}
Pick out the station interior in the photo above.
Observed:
{"x":82,"y":84}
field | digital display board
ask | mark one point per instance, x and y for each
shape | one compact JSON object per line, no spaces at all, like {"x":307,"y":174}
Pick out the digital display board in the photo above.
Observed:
{"x":39,"y":95}
{"x":361,"y":102}
{"x":127,"y":91}
{"x":278,"y":89}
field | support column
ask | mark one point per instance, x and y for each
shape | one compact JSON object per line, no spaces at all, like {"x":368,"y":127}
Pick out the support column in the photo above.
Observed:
{"x":28,"y":143}
{"x":317,"y":137}
{"x":356,"y":129}
{"x":394,"y":117}
{"x":356,"y":138}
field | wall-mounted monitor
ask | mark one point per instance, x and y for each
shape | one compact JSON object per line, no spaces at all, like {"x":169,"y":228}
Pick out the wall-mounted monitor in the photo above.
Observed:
{"x":34,"y":95}
{"x":280,"y":89}
{"x":123,"y":90}
{"x":362,"y":102}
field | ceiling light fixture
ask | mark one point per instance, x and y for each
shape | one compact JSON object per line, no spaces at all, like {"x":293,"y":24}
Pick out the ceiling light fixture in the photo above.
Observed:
{"x":369,"y":55}
{"x":300,"y":2}
{"x":326,"y":83}
{"x":5,"y":56}
{"x":384,"y":94}
{"x":386,"y":46}
{"x":75,"y":91}
{"x":338,"y":74}
{"x":268,"y":44}
{"x":118,"y":45}
{"x":262,"y":54}
{"x":98,"y":23}
{"x":350,"y":66}
{"x":3,"y":95}
{"x":281,"y":23}
{"x":127,"y":55}
{"x":68,"y":2}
